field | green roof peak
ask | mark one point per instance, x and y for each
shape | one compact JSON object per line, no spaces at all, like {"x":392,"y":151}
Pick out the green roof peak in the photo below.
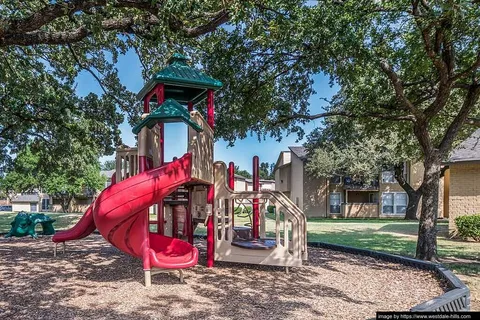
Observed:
{"x":183,"y":82}
{"x":168,"y":111}
{"x":178,"y":58}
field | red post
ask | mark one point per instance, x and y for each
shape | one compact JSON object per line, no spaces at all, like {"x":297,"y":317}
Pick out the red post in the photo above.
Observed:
{"x":256,"y":187}
{"x":160,"y":91}
{"x":190,"y":106}
{"x":211,"y":190}
{"x":210,"y":227}
{"x":146,"y":104}
{"x":231,"y":185}
{"x":148,"y":97}
{"x":210,"y":112}
{"x":142,"y":164}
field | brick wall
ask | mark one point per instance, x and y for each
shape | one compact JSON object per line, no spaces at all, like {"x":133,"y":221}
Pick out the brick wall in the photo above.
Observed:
{"x":464,"y":190}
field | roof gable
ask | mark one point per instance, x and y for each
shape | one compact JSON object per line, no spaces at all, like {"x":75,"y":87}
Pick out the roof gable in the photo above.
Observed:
{"x":169,"y":111}
{"x":26,"y":198}
{"x":300,"y":152}
{"x":280,"y":159}
{"x":468,"y":150}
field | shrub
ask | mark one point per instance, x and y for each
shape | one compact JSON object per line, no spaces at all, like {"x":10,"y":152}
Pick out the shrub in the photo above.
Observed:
{"x":238,"y":210}
{"x":469,"y":226}
{"x":248,"y":210}
{"x":271,"y":209}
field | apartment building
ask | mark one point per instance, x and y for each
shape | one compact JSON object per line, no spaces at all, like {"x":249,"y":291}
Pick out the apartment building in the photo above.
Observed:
{"x":463,"y":191}
{"x":342,"y":196}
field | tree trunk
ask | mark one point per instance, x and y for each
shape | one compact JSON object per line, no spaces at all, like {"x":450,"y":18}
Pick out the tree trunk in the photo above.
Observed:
{"x":412,"y":206}
{"x":427,"y":229}
{"x":413,"y":195}
{"x":66,"y":200}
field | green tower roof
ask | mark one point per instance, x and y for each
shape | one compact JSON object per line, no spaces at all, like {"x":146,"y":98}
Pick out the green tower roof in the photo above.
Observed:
{"x":169,"y":111}
{"x":182,"y":82}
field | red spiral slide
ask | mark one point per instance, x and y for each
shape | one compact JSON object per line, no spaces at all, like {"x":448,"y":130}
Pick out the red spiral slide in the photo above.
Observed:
{"x":120,"y":215}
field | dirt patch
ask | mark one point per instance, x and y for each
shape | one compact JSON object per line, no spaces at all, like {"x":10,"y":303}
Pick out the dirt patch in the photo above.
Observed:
{"x":93,"y":280}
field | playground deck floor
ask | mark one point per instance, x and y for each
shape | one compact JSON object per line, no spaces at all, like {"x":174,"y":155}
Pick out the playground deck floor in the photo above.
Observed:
{"x":93,"y":280}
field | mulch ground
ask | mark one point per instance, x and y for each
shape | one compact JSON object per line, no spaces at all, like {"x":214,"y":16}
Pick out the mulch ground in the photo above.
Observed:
{"x":93,"y":280}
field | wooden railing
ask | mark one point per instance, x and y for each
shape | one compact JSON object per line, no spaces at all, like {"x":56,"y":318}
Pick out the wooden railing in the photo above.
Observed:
{"x":126,"y":163}
{"x":289,"y":224}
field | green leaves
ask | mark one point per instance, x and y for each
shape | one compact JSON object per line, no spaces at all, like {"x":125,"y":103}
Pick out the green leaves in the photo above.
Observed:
{"x":77,"y":172}
{"x":343,"y":148}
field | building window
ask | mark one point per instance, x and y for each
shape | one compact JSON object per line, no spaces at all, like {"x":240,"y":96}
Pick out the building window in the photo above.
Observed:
{"x":45,"y":203}
{"x":388,"y":177}
{"x":336,"y":180}
{"x":373,"y":197}
{"x":394,"y":202}
{"x":401,"y":201}
{"x":335,"y":202}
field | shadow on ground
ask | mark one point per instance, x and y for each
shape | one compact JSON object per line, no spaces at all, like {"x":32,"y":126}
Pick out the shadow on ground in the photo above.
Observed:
{"x":95,"y":281}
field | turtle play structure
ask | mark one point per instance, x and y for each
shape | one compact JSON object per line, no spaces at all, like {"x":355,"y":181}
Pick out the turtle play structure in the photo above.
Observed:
{"x":24,"y":225}
{"x":186,"y":191}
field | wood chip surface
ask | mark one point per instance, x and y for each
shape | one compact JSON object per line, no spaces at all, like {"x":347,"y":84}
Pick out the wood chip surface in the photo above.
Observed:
{"x":94,"y":280}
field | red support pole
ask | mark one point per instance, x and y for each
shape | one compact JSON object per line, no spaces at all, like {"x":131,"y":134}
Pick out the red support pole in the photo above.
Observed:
{"x":148,"y":97}
{"x":210,"y":190}
{"x":210,"y":112}
{"x":210,"y":228}
{"x":160,"y":91}
{"x":146,"y":104}
{"x":256,"y":187}
{"x":231,"y":185}
{"x":142,"y":164}
{"x":190,"y":106}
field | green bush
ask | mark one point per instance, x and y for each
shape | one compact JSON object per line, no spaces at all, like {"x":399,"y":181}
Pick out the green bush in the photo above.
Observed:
{"x":469,"y":226}
{"x":271,"y":209}
{"x":238,"y":210}
{"x":247,"y":210}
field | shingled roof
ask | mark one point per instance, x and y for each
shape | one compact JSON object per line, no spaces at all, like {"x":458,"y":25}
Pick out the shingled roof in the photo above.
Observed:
{"x":468,"y":150}
{"x":300,"y":152}
{"x":183,"y":82}
{"x":26,"y":198}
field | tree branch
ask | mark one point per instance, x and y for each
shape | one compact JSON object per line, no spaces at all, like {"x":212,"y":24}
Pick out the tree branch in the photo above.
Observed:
{"x":461,"y":118}
{"x":469,"y":70}
{"x":29,"y":31}
{"x":344,"y":114}
{"x":218,"y":19}
{"x":75,"y":57}
{"x":399,"y":89}
{"x":46,"y":15}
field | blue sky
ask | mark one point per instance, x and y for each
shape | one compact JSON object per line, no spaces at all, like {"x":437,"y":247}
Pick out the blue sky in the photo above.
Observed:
{"x":175,"y":134}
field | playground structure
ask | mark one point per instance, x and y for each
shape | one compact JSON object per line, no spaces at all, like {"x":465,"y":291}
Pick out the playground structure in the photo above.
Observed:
{"x":189,"y":190}
{"x":24,"y":224}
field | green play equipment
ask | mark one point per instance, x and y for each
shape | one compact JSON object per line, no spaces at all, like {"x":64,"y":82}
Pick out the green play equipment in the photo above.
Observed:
{"x":24,"y":224}
{"x":169,"y":111}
